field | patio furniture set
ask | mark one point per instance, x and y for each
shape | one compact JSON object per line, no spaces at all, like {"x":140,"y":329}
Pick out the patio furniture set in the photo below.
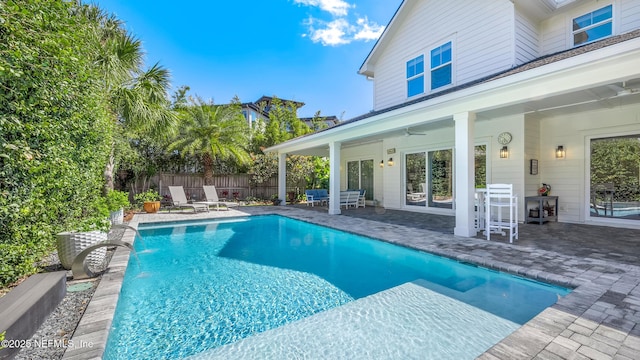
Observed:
{"x":348,"y":198}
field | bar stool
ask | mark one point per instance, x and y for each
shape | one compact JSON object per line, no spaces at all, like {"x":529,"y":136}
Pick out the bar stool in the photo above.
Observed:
{"x":501,"y":211}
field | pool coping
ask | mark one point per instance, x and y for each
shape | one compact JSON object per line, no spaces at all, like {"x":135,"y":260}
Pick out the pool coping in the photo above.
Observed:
{"x":590,"y":321}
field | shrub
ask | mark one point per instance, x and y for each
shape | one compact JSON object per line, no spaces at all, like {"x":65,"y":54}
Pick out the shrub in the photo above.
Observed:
{"x":56,"y":131}
{"x":117,"y":200}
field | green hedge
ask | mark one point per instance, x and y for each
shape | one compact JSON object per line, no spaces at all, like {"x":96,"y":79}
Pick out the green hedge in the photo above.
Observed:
{"x":55,"y":130}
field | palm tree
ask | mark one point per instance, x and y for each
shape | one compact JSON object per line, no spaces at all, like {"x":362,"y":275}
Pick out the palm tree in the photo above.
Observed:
{"x":209,"y":132}
{"x":137,"y":98}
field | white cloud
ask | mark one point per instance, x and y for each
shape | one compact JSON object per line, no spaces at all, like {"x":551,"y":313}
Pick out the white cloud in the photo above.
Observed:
{"x":332,"y":33}
{"x":367,"y":31}
{"x":340,"y":28}
{"x":340,"y":32}
{"x":334,"y":7}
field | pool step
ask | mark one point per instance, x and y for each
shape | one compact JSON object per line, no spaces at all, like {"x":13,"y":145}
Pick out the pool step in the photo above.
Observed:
{"x":406,"y":321}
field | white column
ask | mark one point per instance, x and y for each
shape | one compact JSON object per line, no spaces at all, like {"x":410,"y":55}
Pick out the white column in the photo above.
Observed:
{"x":334,"y":178}
{"x":464,"y":174}
{"x":282,"y":178}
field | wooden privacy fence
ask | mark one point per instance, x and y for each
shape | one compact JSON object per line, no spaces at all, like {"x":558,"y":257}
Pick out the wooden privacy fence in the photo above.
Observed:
{"x":228,"y":186}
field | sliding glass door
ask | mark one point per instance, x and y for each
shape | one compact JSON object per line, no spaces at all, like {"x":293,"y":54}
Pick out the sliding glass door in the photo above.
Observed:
{"x":429,"y":177}
{"x":615,"y":177}
{"x":360,"y":176}
{"x":441,"y":179}
{"x":416,"y":179}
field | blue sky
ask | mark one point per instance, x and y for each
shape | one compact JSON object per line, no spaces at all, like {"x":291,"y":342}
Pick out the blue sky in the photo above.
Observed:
{"x":303,"y":50}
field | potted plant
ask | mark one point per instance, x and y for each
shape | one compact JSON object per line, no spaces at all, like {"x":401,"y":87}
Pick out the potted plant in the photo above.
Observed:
{"x":150,"y":200}
{"x":117,"y":201}
{"x":92,"y":227}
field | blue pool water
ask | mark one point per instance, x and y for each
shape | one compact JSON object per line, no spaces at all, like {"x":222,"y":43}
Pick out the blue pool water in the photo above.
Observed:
{"x":199,"y":286}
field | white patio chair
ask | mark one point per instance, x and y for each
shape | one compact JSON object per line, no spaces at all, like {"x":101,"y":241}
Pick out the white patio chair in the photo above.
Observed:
{"x":361,"y":199}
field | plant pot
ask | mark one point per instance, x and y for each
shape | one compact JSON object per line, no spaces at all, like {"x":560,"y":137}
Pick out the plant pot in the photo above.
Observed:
{"x":276,"y":201}
{"x":151,"y":206}
{"x":116,"y":217}
{"x":70,"y":244}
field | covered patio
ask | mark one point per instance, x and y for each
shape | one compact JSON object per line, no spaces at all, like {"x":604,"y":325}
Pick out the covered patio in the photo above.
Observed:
{"x":538,"y":123}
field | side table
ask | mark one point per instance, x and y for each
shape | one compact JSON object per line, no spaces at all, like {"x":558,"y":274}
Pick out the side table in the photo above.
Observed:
{"x":544,"y":203}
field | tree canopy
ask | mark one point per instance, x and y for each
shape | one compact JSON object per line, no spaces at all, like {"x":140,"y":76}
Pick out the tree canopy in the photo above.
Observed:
{"x":209,"y":132}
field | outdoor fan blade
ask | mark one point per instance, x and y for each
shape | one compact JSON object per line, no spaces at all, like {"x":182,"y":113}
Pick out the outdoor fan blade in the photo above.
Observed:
{"x":409,"y":133}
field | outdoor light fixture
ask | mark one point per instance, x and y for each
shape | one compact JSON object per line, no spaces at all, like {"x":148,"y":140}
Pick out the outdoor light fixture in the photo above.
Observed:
{"x":390,"y":162}
{"x":381,"y":163}
{"x":504,"y":152}
{"x":560,"y":152}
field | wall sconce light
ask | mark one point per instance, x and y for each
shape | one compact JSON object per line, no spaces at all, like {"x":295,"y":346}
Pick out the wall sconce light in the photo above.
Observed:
{"x":390,"y":162}
{"x":381,"y":163}
{"x":560,"y":152}
{"x":504,"y":152}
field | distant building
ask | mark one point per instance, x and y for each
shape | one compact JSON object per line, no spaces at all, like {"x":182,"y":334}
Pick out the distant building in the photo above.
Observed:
{"x":253,"y":111}
{"x":328,"y":120}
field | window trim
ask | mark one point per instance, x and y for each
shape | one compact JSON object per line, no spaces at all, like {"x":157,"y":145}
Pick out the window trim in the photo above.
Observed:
{"x":610,"y":20}
{"x":416,"y":76}
{"x":442,"y":65}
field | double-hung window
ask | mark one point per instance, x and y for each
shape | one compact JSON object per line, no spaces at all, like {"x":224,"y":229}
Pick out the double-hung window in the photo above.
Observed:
{"x":441,"y":66}
{"x":415,"y":76}
{"x":593,"y":26}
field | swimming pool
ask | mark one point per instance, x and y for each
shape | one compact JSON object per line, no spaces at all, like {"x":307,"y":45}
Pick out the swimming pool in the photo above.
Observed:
{"x":198,"y":286}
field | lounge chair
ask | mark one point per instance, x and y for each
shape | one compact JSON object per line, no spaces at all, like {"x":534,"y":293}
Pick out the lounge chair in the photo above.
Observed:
{"x":211,"y":194}
{"x":179,"y":200}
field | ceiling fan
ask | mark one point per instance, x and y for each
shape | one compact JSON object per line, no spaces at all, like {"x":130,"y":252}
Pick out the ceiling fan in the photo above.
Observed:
{"x":407,"y":132}
{"x":623,"y":90}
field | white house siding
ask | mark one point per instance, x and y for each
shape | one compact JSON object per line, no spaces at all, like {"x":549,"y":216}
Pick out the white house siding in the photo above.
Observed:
{"x":554,"y":35}
{"x":509,"y":170}
{"x":364,"y":152}
{"x":531,"y":151}
{"x":556,"y":31}
{"x":629,"y":11}
{"x":482,"y":35}
{"x":569,"y":177}
{"x":527,"y":39}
